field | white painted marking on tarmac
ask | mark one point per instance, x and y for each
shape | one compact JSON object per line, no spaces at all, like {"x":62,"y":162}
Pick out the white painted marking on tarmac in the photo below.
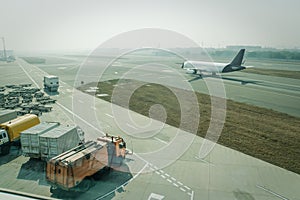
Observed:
{"x":187,"y":187}
{"x":160,"y":140}
{"x":109,"y":115}
{"x":131,"y":126}
{"x":174,"y":182}
{"x":271,"y":192}
{"x":79,"y":118}
{"x":28,"y":75}
{"x":155,"y":196}
{"x":192,"y":195}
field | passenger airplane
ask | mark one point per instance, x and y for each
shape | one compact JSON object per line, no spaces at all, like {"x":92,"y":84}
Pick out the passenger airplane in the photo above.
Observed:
{"x":198,"y":67}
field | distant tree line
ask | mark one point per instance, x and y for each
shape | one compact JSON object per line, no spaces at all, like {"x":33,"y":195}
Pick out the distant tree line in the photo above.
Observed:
{"x":284,"y":54}
{"x":275,"y":54}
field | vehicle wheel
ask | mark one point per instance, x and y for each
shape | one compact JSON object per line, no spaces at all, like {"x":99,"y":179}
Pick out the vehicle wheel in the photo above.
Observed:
{"x":52,"y":190}
{"x":85,"y":185}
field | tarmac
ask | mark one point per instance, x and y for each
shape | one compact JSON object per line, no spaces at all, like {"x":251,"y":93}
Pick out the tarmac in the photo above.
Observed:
{"x":151,"y":172}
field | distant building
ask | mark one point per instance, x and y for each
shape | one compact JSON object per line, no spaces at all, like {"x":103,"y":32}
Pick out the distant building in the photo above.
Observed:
{"x":8,"y":53}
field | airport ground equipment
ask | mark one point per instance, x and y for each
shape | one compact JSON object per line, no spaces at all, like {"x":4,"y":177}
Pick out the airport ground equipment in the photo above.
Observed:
{"x":51,"y":83}
{"x":75,"y":169}
{"x":10,"y":130}
{"x":6,"y":115}
{"x":59,"y":140}
{"x":30,"y":141}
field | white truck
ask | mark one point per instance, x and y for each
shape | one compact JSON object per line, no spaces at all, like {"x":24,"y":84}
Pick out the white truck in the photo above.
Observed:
{"x":51,"y":83}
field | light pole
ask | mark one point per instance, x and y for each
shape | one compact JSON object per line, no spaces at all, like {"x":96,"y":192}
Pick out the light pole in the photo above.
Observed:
{"x":4,"y":50}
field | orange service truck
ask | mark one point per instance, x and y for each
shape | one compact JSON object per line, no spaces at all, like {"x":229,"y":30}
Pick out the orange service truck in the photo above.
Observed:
{"x":74,"y":170}
{"x":10,"y":130}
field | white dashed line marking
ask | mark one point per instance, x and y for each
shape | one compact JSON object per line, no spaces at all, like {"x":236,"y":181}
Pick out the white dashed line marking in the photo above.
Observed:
{"x":179,"y":183}
{"x":109,"y":115}
{"x":187,"y":187}
{"x":173,"y":181}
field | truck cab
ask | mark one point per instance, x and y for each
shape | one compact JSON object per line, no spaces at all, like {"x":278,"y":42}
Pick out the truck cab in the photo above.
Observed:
{"x":4,"y":142}
{"x":10,"y":130}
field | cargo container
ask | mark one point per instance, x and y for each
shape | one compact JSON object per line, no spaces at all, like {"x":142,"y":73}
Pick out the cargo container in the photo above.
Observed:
{"x":10,"y":130}
{"x":6,"y":115}
{"x":30,"y":141}
{"x":59,"y":140}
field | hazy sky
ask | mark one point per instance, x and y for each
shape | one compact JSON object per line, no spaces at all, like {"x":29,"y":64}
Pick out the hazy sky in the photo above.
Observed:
{"x":74,"y":24}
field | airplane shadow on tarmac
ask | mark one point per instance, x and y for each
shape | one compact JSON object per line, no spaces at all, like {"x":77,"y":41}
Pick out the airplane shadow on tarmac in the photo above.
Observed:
{"x":242,"y":82}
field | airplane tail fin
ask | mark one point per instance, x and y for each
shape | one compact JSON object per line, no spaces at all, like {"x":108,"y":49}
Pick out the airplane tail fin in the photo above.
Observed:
{"x":238,"y":59}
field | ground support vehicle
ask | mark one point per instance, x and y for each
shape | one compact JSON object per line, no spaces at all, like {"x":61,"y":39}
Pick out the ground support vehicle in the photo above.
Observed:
{"x":74,"y":170}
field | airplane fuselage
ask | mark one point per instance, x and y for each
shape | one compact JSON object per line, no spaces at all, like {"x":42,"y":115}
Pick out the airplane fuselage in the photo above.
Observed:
{"x":210,"y":67}
{"x":196,"y":67}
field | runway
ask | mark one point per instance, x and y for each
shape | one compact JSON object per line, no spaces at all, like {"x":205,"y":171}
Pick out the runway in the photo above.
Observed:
{"x":223,"y":174}
{"x":276,"y":93}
